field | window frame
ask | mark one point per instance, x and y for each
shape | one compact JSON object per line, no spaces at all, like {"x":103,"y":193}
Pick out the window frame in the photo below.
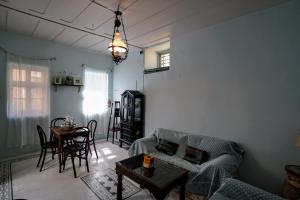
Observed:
{"x":159,"y":68}
{"x":28,"y":85}
{"x":160,"y":55}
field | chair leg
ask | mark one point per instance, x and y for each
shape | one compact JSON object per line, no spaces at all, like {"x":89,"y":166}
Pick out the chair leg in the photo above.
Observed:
{"x":52,"y":151}
{"x":95,"y":149}
{"x":90,"y":151}
{"x":64,"y":160}
{"x":41,"y":154}
{"x":64,"y":164}
{"x":74,"y":170}
{"x":80,"y":158}
{"x":113,"y":137}
{"x":107,"y":136}
{"x":45,"y":151}
{"x":86,"y":162}
{"x":87,"y":165}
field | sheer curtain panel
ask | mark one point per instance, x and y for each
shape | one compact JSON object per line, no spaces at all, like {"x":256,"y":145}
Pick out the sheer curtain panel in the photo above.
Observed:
{"x":95,"y":97}
{"x":28,"y":99}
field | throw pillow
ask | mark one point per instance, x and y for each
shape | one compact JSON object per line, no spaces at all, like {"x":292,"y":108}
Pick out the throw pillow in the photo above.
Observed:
{"x":167,"y":147}
{"x":194,"y":155}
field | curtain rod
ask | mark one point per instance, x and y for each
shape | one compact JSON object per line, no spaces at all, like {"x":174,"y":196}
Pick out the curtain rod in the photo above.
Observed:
{"x":8,"y":52}
{"x":65,"y":25}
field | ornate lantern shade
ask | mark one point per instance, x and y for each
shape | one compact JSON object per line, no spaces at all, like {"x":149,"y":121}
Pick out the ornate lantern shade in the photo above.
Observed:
{"x":118,"y":47}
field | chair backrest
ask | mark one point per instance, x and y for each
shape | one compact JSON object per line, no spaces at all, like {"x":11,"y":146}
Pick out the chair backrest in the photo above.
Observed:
{"x":57,"y":121}
{"x":80,"y":135}
{"x":42,"y":135}
{"x":92,"y":126}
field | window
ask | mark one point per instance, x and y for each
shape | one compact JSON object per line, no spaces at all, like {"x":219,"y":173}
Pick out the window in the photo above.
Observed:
{"x":95,"y":94}
{"x":164,"y":59}
{"x":28,"y":90}
{"x":157,"y":58}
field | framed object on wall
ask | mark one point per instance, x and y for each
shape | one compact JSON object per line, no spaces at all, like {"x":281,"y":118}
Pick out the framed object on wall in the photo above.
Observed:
{"x":77,"y":81}
{"x":57,"y":80}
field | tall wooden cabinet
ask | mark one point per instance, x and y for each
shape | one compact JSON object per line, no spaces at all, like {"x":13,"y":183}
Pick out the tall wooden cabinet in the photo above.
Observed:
{"x":132,"y":116}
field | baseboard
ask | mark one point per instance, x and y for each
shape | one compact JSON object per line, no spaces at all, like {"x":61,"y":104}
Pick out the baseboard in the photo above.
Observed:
{"x":33,"y":154}
{"x":21,"y":157}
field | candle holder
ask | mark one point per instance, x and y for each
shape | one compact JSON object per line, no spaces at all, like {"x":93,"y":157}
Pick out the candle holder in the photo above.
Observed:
{"x":148,"y":162}
{"x":148,"y":165}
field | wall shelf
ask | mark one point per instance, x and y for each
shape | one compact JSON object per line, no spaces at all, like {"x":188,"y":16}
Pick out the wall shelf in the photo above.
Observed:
{"x":66,"y":85}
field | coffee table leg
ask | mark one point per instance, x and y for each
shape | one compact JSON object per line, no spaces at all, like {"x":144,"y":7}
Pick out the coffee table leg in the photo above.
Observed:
{"x":119,"y":187}
{"x":182,"y":191}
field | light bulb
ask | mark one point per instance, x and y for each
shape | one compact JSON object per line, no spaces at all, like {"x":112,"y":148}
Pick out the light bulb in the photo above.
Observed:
{"x":118,"y":44}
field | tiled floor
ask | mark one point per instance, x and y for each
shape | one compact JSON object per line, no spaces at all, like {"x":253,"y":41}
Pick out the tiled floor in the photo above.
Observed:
{"x":29,"y":183}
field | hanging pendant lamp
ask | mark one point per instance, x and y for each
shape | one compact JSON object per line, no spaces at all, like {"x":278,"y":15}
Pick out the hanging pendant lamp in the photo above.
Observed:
{"x":118,"y":47}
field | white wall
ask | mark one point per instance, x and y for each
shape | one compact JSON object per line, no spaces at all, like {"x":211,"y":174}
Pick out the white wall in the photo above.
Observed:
{"x":151,"y":58}
{"x":128,"y":75}
{"x":238,"y":80}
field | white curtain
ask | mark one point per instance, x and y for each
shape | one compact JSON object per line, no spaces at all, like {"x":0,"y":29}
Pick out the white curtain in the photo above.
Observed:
{"x":28,"y":99}
{"x":95,"y":97}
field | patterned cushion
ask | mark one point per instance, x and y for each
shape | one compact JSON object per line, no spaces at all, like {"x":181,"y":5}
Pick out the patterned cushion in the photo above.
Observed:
{"x":194,"y":155}
{"x":177,"y":137}
{"x":167,"y":147}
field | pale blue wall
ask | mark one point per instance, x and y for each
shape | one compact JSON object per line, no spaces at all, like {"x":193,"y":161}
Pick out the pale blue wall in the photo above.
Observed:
{"x":238,"y":80}
{"x":67,"y":58}
{"x":129,"y":74}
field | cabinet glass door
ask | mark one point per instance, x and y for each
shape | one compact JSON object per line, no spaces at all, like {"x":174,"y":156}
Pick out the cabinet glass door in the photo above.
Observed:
{"x":125,"y":108}
{"x":138,"y":109}
{"x":129,"y":109}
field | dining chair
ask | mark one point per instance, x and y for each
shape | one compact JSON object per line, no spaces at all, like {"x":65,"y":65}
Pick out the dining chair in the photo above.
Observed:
{"x":92,"y":126}
{"x":77,"y":146}
{"x":55,"y":122}
{"x":45,"y":145}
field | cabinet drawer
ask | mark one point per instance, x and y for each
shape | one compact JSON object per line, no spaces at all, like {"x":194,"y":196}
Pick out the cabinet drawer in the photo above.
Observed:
{"x":128,"y":134}
{"x":127,"y":126}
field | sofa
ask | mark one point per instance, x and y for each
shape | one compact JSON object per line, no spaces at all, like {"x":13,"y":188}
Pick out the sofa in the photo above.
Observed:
{"x":223,"y":158}
{"x":232,"y":189}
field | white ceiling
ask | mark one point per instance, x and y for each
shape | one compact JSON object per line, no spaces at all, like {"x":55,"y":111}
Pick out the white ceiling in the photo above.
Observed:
{"x":147,"y":22}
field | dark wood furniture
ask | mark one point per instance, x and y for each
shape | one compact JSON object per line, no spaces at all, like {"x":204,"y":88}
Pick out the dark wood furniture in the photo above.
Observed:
{"x":55,"y":122}
{"x":92,"y":126}
{"x":163,"y":178}
{"x":45,"y":145}
{"x":62,"y":134}
{"x":291,"y":187}
{"x":77,"y":146}
{"x":66,"y":85}
{"x":132,"y":116}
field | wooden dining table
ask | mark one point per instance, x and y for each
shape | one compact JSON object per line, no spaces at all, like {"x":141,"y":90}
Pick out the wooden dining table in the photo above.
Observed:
{"x":62,"y":134}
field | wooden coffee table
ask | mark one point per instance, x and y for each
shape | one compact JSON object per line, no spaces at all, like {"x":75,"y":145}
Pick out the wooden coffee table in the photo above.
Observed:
{"x":159,"y":181}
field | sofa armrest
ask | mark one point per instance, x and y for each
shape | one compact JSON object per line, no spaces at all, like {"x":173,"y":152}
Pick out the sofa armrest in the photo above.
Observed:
{"x":143,"y":145}
{"x":211,"y":174}
{"x":235,"y":189}
{"x":225,"y":162}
